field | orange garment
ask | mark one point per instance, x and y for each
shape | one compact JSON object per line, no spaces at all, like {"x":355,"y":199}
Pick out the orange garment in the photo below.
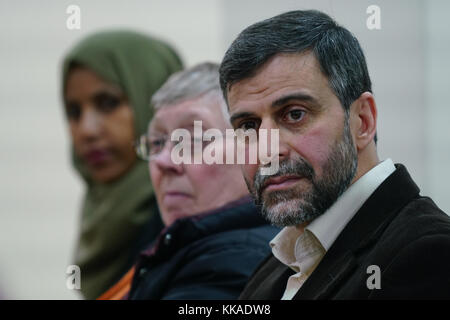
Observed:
{"x":120,"y":289}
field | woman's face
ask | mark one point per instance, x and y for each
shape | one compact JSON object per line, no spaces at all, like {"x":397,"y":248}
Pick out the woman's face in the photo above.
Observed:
{"x":101,"y":125}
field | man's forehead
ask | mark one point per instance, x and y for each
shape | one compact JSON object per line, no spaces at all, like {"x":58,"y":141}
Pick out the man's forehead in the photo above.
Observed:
{"x":283,"y":62}
{"x":276,"y":71}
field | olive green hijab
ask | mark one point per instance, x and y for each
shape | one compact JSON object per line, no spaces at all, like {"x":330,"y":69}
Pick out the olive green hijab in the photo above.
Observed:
{"x":114,"y":216}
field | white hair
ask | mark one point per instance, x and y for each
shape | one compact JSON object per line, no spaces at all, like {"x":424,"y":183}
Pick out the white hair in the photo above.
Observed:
{"x":191,"y":83}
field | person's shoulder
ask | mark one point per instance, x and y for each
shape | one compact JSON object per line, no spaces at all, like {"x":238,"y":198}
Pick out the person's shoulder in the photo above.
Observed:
{"x":241,"y":241}
{"x":261,"y":234}
{"x":422,"y":217}
{"x":419,"y":220}
{"x":417,"y":258}
{"x":241,"y":236}
{"x":240,"y":225}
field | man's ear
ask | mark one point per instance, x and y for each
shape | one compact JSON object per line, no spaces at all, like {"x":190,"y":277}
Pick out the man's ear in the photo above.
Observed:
{"x":363,"y":120}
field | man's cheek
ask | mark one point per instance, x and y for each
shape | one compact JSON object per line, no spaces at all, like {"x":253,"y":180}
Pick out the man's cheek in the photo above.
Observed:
{"x":315,"y":150}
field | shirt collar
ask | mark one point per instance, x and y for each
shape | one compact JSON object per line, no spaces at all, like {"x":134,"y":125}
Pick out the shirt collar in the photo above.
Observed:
{"x":329,"y":225}
{"x":298,"y":249}
{"x":283,"y":245}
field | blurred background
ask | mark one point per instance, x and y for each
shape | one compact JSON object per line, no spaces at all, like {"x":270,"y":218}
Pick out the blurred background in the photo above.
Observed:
{"x":40,"y":194}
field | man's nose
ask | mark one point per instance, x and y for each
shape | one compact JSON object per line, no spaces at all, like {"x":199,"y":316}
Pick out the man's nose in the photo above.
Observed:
{"x":280,"y":139}
{"x":164,"y":162}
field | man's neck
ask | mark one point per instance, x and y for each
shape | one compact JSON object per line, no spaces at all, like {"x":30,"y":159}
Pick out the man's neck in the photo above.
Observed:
{"x":367,"y":159}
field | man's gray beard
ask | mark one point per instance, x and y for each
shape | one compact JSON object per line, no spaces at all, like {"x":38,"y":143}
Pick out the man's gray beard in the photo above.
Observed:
{"x":293,"y":207}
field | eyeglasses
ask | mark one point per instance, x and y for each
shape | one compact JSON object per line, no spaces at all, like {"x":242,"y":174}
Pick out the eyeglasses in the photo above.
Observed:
{"x":148,"y":147}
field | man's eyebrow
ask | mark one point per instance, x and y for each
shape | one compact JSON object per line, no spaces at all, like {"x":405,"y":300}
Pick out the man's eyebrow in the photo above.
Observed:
{"x":299,"y":96}
{"x":239,"y":115}
{"x":277,"y":103}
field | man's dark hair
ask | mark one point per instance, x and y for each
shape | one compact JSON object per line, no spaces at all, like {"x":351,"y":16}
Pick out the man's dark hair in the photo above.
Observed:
{"x":339,"y":54}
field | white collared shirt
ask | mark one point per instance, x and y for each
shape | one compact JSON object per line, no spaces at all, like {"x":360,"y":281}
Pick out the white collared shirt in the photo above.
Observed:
{"x":302,"y":250}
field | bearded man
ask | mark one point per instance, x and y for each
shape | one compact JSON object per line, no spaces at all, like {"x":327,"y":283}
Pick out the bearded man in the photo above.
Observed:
{"x":355,"y":227}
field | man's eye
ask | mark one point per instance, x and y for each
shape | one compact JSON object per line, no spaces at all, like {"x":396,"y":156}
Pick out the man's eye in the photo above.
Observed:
{"x":247,"y":125}
{"x":73,"y":111}
{"x":156,"y":145}
{"x":294,"y":115}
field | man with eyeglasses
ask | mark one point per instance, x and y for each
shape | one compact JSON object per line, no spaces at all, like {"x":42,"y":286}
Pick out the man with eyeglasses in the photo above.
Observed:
{"x":215,"y":236}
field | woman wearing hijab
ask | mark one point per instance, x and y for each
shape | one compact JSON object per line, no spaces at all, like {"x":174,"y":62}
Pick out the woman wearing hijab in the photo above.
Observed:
{"x":108,"y":80}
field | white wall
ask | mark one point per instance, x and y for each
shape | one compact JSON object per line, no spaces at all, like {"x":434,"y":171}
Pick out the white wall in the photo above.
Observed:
{"x":40,"y":194}
{"x":437,"y":86}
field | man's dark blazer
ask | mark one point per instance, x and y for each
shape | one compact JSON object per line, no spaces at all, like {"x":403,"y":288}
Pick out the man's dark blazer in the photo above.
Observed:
{"x":406,"y":235}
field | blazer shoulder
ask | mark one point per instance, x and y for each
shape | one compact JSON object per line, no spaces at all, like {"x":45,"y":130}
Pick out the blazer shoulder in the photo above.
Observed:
{"x":422,"y":217}
{"x":418,"y":271}
{"x":419,"y":220}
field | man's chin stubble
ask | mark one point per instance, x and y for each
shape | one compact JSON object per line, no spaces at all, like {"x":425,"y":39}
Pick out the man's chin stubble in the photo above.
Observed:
{"x":285,"y":208}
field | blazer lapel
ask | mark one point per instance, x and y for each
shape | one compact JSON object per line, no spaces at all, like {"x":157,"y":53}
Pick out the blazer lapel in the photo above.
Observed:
{"x":323,"y":280}
{"x":362,"y":231}
{"x":268,"y":282}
